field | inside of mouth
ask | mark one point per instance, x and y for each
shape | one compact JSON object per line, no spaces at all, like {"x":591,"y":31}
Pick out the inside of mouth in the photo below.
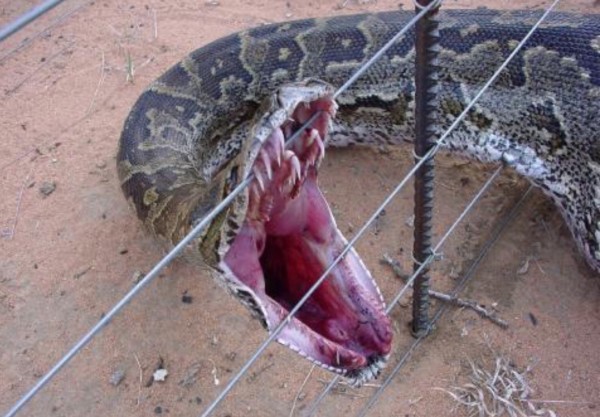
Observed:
{"x":288,"y":240}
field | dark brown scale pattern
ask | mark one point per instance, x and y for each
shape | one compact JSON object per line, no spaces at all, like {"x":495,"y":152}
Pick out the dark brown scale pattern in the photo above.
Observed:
{"x":182,"y":145}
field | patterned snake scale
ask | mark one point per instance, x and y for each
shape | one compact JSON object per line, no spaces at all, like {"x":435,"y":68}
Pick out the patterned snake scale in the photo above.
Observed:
{"x":183,"y":145}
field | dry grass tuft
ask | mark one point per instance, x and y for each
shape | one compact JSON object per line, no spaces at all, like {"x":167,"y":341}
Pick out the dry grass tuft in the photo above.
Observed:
{"x":504,"y":391}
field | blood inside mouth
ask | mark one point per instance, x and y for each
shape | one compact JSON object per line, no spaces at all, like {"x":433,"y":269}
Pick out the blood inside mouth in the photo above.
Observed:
{"x":289,"y":238}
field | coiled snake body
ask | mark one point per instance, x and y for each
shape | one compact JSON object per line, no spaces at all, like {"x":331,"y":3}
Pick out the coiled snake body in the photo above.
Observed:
{"x":225,"y":110}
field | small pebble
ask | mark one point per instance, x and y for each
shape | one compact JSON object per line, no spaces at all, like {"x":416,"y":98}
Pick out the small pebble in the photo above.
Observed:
{"x":117,"y":377}
{"x":158,"y":409}
{"x":524,"y":267}
{"x":138,"y":276}
{"x":186,"y":299}
{"x":47,"y":188}
{"x":160,"y":375}
{"x":191,"y":376}
{"x":454,"y":274}
{"x":533,"y":319}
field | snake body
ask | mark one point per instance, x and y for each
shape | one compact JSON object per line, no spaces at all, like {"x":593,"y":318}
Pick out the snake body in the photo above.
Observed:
{"x":185,"y":142}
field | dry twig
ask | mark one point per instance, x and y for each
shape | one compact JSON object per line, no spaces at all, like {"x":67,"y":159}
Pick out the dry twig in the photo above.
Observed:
{"x":17,"y":159}
{"x":344,"y":388}
{"x":154,"y":20}
{"x":141,"y":379}
{"x":300,"y":389}
{"x":501,"y":391}
{"x":13,"y":89}
{"x":100,"y":81}
{"x":9,"y":233}
{"x":447,"y":298}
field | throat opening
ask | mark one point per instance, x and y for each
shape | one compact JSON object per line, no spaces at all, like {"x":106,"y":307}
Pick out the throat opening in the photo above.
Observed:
{"x":288,"y":239}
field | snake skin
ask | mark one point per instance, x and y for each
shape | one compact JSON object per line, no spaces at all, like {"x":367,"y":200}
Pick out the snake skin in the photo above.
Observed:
{"x":182,"y":146}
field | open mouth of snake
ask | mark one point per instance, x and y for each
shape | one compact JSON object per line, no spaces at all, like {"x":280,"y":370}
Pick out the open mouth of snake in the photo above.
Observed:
{"x":288,"y":239}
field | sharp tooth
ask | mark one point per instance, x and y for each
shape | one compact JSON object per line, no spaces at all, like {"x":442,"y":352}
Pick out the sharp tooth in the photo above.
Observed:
{"x":287,"y":154}
{"x":289,"y":184}
{"x":321,"y":146}
{"x":296,"y":166}
{"x":278,"y":157}
{"x":267,"y":163}
{"x":311,"y":137}
{"x":280,"y":141}
{"x":278,"y":148}
{"x":259,"y":179}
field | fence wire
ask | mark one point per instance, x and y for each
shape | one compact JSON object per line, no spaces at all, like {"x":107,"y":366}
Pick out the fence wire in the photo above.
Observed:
{"x":28,"y":40}
{"x":27,"y":18}
{"x":200,"y":226}
{"x":194,"y":233}
{"x":387,"y":200}
{"x":434,"y":254}
{"x":488,"y":245}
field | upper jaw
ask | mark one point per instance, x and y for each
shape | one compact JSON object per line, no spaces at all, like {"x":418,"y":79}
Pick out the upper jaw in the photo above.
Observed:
{"x":343,"y":327}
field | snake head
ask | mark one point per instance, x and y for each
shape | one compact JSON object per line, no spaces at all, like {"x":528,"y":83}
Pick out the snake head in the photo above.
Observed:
{"x":280,"y":236}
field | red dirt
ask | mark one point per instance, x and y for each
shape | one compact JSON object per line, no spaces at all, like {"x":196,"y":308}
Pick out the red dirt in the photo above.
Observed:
{"x":76,"y":251}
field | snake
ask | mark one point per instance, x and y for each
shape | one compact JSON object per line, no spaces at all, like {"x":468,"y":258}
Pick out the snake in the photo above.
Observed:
{"x":226,"y":112}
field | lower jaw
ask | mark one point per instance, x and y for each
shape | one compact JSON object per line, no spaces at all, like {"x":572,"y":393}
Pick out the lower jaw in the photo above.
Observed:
{"x":348,"y":288}
{"x":287,"y":241}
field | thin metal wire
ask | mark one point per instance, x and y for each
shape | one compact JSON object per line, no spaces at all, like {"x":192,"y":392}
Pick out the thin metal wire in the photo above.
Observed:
{"x":459,"y":219}
{"x":108,"y":317}
{"x":179,"y":247}
{"x":307,"y":295}
{"x":27,"y":18}
{"x":432,"y":152}
{"x":198,"y":228}
{"x":377,"y":212}
{"x":193,"y":234}
{"x":414,"y":275}
{"x":186,"y":240}
{"x":350,"y":244}
{"x":33,"y":37}
{"x":495,"y":235}
{"x":384,"y":48}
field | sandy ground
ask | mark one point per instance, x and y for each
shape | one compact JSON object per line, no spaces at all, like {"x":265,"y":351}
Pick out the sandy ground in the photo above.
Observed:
{"x":67,"y":256}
